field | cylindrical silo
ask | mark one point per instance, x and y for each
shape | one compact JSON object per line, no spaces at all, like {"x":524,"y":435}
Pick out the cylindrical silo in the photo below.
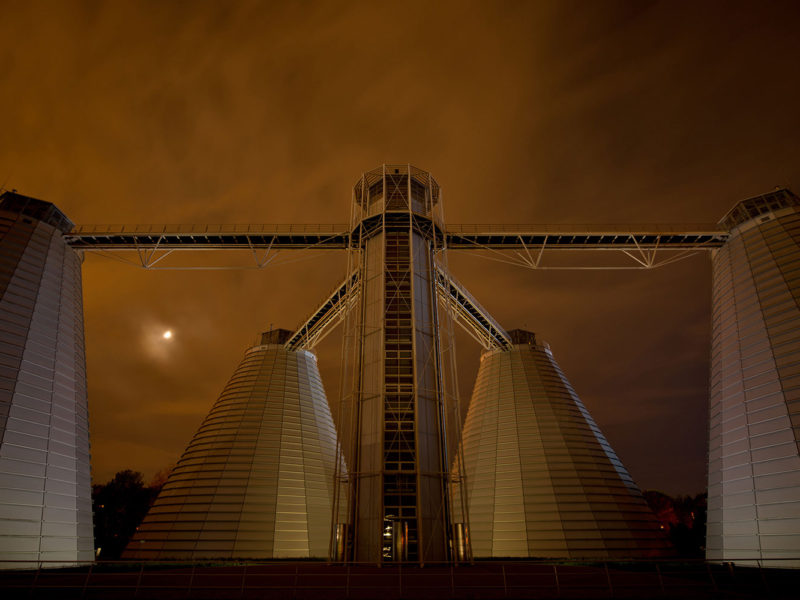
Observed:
{"x":256,"y":481}
{"x":754,"y":433}
{"x":45,"y":488}
{"x":541,"y":479}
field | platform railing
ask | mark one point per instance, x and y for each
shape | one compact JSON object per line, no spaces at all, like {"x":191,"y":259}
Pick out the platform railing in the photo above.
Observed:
{"x":311,"y":579}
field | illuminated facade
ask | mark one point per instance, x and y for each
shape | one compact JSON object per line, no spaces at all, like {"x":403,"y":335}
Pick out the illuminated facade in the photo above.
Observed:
{"x":541,"y":479}
{"x":260,"y":480}
{"x":256,"y":479}
{"x":754,"y":465}
{"x":394,"y":505}
{"x":45,"y":501}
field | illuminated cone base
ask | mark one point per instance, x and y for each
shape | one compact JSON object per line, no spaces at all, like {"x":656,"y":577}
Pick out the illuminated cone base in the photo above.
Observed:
{"x":541,"y":480}
{"x":256,"y":480}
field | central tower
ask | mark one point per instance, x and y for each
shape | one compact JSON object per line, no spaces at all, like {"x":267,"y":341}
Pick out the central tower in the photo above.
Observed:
{"x":392,"y":502}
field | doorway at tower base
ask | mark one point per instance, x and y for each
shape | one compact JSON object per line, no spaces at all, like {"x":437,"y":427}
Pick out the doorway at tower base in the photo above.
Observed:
{"x":256,"y":481}
{"x":540,"y":478}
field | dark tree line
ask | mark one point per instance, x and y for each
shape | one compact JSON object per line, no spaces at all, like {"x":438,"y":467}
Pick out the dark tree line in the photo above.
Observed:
{"x":119,"y":507}
{"x":684,"y":520}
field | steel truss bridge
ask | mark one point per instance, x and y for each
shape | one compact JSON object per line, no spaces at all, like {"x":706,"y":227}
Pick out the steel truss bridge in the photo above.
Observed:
{"x":396,"y":218}
{"x":639,"y":247}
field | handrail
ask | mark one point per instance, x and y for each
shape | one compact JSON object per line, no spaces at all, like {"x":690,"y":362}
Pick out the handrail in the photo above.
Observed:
{"x":317,"y":578}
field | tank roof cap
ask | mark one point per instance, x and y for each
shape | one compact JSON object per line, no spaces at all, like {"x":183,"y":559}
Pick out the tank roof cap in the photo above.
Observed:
{"x":275,"y":336}
{"x":521,"y":336}
{"x":46,"y":212}
{"x":754,"y":207}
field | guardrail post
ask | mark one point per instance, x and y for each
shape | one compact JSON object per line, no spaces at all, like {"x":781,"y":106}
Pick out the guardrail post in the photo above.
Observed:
{"x":86,"y":580}
{"x":139,"y":581}
{"x":558,"y":585}
{"x":505,"y":586}
{"x":660,"y":580}
{"x":35,"y":579}
{"x":763,"y":576}
{"x":711,"y":577}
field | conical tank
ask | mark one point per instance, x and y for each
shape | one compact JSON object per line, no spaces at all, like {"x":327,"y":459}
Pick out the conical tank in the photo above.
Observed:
{"x":256,"y":480}
{"x":540,"y":478}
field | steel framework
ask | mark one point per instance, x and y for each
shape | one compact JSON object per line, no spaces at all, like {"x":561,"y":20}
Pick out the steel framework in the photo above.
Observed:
{"x":398,"y":360}
{"x":398,"y":384}
{"x":647,"y":246}
{"x":643,"y":247}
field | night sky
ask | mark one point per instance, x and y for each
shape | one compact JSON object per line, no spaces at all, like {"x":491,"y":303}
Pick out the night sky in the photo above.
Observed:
{"x":525,"y":112}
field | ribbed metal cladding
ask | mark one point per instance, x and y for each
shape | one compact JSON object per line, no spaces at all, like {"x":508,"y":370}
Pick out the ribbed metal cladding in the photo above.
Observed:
{"x":754,"y":465}
{"x":256,"y":480}
{"x":45,"y":502}
{"x":541,"y":479}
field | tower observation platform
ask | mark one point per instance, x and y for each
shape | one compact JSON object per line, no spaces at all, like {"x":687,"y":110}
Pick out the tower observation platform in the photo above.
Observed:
{"x":402,"y":487}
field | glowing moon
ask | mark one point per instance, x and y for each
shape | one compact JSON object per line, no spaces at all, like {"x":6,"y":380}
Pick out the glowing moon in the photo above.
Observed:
{"x":167,"y":334}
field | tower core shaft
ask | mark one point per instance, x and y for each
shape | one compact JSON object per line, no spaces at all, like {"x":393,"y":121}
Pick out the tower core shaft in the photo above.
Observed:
{"x":392,"y":413}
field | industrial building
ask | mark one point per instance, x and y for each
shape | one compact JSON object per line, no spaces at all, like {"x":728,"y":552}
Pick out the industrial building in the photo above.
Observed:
{"x":45,"y":485}
{"x":397,"y":485}
{"x":754,"y":429}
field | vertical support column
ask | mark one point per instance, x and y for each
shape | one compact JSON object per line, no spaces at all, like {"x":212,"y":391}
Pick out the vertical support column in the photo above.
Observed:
{"x":754,"y":431}
{"x":366,"y":466}
{"x":395,"y":454}
{"x":45,"y":505}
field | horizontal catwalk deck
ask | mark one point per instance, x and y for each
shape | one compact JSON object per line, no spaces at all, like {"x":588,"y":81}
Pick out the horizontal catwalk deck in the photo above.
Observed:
{"x":593,"y":237}
{"x":336,"y":237}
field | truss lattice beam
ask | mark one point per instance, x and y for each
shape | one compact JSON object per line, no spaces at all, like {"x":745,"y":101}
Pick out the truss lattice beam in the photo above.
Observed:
{"x":209,"y":237}
{"x":468,"y":313}
{"x":327,"y":316}
{"x":592,"y":237}
{"x":528,"y":239}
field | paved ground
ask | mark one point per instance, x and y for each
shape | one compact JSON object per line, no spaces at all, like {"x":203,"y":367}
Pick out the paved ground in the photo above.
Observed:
{"x":311,"y":581}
